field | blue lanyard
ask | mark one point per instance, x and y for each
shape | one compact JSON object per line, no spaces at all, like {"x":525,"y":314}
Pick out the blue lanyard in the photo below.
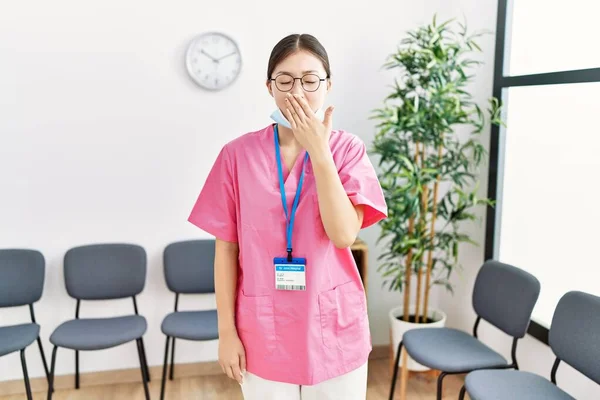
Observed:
{"x":289,"y":218}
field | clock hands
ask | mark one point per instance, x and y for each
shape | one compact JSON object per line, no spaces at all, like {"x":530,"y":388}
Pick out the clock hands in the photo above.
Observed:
{"x":230,"y":54}
{"x":216,"y":60}
{"x":209,"y":56}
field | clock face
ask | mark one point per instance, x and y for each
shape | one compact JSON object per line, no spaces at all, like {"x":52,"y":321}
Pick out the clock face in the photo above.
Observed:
{"x":213,"y":60}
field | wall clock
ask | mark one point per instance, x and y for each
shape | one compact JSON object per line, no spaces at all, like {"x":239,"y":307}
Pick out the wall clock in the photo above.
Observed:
{"x":213,"y":60}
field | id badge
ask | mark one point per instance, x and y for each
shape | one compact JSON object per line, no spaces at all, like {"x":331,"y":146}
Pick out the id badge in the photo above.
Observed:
{"x":290,"y":275}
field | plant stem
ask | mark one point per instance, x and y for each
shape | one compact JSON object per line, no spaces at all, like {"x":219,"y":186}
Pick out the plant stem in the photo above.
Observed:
{"x":408,"y":276}
{"x":431,"y":236}
{"x":422,"y":224}
{"x":411,"y":226}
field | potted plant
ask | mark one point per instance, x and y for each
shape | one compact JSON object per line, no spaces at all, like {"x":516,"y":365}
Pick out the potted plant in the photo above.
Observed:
{"x":429,"y":150}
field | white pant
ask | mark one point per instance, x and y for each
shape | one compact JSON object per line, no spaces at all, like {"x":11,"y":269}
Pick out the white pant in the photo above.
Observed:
{"x":350,"y":386}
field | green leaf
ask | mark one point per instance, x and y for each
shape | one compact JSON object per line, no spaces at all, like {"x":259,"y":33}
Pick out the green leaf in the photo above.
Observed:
{"x":430,"y":103}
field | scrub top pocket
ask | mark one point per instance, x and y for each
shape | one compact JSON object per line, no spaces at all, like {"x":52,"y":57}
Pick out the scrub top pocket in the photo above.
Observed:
{"x":343,"y":316}
{"x":255,"y":323}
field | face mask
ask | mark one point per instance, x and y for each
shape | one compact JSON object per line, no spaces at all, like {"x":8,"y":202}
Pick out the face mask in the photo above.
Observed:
{"x":278,"y":117}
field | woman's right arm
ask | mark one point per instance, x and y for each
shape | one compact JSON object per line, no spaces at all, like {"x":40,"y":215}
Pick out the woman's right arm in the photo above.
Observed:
{"x":232,"y":356}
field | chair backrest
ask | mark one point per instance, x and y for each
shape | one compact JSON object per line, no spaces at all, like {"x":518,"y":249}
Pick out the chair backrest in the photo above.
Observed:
{"x":575,"y":333}
{"x":189,"y":266}
{"x":22,"y":274}
{"x":105,"y":271}
{"x":504,"y":296}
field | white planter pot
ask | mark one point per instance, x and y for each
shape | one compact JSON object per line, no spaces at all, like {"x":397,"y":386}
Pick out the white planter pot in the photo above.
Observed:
{"x":399,"y":327}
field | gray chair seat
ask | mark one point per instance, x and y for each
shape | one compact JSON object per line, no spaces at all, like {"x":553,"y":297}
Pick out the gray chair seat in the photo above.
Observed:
{"x":450,"y":350}
{"x":511,"y":385}
{"x":98,"y":333}
{"x":17,"y":337}
{"x":191,"y":325}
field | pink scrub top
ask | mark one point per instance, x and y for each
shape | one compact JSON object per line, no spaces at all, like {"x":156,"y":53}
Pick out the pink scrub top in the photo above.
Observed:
{"x":299,"y":337}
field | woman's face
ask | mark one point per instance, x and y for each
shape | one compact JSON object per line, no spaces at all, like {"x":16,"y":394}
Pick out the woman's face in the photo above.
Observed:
{"x":298,"y":65}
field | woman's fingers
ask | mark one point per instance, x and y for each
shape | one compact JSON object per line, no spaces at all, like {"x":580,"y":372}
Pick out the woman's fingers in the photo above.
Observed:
{"x":291,"y":116}
{"x":229,"y":371}
{"x":243,"y":362}
{"x":235,"y":368}
{"x":237,"y":375}
{"x":308,"y":112}
{"x":297,"y":108}
{"x":232,"y":358}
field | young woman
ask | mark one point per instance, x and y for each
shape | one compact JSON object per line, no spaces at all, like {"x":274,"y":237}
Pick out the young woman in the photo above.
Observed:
{"x":285,"y":204}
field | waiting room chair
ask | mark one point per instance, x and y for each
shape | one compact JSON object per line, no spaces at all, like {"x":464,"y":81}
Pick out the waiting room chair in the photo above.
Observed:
{"x":189,"y":269}
{"x":574,"y":338}
{"x":102,"y":272}
{"x":504,"y":296}
{"x":22,"y":275}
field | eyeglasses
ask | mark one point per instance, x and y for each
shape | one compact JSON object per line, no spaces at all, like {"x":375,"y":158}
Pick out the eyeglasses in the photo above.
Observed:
{"x":310,"y":82}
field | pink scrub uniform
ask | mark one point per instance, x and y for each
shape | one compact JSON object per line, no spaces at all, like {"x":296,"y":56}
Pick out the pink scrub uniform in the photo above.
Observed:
{"x":302,"y":337}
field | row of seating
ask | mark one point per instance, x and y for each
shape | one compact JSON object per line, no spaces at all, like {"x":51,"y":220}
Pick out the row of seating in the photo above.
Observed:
{"x":505,"y":296}
{"x":104,"y":272}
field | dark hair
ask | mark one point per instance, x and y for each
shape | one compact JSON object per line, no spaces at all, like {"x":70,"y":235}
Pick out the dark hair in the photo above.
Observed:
{"x":296,"y":42}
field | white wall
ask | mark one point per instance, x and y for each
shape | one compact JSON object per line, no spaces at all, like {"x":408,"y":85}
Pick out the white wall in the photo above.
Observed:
{"x":532,"y":355}
{"x":105,"y":138}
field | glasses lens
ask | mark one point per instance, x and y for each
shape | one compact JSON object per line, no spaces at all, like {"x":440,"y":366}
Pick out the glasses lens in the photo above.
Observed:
{"x":310,"y":82}
{"x":284,"y":82}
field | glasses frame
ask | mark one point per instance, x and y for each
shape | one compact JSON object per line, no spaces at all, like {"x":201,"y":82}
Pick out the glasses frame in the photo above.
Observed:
{"x":300,"y":79}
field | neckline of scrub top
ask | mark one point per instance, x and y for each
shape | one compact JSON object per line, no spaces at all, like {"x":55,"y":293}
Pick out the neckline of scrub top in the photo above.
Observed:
{"x":291,"y":177}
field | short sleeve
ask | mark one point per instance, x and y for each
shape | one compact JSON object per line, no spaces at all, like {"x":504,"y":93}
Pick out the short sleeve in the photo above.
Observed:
{"x":215,"y":207}
{"x":360,"y":181}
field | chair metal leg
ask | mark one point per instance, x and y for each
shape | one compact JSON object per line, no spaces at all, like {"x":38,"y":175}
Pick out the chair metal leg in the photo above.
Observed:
{"x":171,"y":372}
{"x":439,"y":385}
{"x":52,"y":369}
{"x":164,"y":372}
{"x":76,"y":369}
{"x":145,"y":360}
{"x":144,"y":365}
{"x":144,"y":382}
{"x":39,"y":341}
{"x":26,"y":375}
{"x":463,"y":391}
{"x":395,"y":376}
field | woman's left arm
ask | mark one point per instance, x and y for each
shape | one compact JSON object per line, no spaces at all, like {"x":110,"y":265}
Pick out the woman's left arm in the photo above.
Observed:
{"x":341,"y":219}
